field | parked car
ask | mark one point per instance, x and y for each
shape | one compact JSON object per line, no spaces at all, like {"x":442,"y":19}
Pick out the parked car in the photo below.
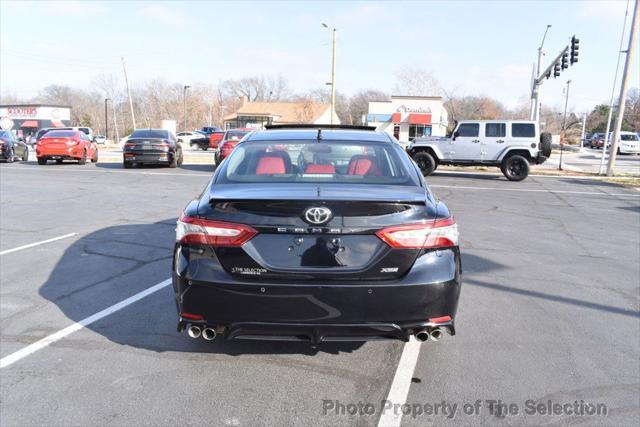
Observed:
{"x":152,"y":146}
{"x":197,"y":140}
{"x":510,"y":145}
{"x":215,"y":138}
{"x":186,"y":137}
{"x":60,"y":145}
{"x":100,"y":139}
{"x":228,"y":142}
{"x":11,"y":147}
{"x":597,"y":140}
{"x":629,"y":143}
{"x":317,"y":235}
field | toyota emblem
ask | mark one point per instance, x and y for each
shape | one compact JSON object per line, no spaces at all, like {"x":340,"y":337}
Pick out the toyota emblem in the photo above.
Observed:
{"x":317,"y":215}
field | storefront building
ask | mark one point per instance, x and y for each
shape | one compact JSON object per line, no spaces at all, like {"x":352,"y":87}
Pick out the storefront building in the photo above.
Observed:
{"x":256,"y":115}
{"x":409,"y":117}
{"x":27,"y":119}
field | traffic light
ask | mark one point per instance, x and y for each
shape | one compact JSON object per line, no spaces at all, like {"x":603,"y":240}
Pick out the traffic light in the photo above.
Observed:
{"x":575,"y":45}
{"x":565,"y":61}
{"x":556,"y":70}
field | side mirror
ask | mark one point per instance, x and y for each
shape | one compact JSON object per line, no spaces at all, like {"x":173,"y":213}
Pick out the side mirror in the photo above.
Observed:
{"x":455,"y":135}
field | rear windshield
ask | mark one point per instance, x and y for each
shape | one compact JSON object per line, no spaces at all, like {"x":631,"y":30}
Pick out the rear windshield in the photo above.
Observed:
{"x":236,"y":134}
{"x":150,"y":133}
{"x":325,"y":162}
{"x":60,"y":133}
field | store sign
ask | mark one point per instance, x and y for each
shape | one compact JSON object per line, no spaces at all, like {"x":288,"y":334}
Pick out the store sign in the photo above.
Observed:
{"x":19,"y":112}
{"x":405,"y":109}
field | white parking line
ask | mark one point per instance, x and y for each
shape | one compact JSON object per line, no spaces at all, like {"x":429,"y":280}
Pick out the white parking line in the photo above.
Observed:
{"x":531,"y":190}
{"x":30,"y":245}
{"x":44,"y":342}
{"x":400,"y":385}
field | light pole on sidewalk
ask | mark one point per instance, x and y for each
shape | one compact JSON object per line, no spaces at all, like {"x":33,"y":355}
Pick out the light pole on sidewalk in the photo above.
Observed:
{"x":333,"y":71}
{"x":184,"y":106}
{"x":106,"y":119}
{"x":564,"y":123}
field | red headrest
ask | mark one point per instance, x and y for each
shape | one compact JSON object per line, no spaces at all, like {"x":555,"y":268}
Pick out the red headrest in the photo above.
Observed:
{"x":269,"y":165}
{"x":363,"y":165}
{"x":320,"y":169}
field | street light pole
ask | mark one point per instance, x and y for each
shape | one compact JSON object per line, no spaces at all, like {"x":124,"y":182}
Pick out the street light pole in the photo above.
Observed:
{"x":535,"y":108}
{"x":184,"y":106}
{"x":333,"y":71}
{"x":564,"y":123}
{"x":106,"y":120}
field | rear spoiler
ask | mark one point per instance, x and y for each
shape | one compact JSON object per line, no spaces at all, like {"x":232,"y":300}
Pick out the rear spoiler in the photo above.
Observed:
{"x":319,"y":126}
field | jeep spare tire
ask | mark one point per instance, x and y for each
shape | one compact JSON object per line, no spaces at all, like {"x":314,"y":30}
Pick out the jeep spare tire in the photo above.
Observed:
{"x":545,"y":144}
{"x":515,"y":168}
{"x":425,"y":162}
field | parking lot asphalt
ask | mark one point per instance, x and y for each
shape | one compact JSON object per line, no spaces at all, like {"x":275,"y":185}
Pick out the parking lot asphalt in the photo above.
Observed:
{"x":550,"y":310}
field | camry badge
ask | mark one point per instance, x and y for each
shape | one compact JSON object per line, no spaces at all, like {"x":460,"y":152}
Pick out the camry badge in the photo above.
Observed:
{"x":318,"y":215}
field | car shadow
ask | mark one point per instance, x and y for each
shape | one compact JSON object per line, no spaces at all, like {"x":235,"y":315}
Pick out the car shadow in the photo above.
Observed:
{"x":199,"y":167}
{"x":487,"y":176}
{"x":110,"y":265}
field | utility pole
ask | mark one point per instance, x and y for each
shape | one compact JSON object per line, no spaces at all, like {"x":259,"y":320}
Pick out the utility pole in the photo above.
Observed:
{"x":564,"y":124}
{"x":184,"y":106}
{"x":535,"y":105}
{"x":106,"y":119}
{"x":126,"y":79}
{"x":623,"y":91}
{"x":613,"y":93}
{"x":333,"y":72}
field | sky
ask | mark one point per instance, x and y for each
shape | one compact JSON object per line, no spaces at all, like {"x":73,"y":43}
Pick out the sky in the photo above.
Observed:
{"x":471,"y":47}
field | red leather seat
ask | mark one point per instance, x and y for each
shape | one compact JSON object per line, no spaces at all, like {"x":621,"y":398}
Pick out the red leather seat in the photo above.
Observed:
{"x":328,"y":169}
{"x":363,"y":165}
{"x":269,"y":165}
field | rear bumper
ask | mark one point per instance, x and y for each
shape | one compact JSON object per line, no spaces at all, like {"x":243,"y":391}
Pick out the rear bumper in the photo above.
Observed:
{"x":321,"y":311}
{"x":146,"y":157}
{"x":73,"y":152}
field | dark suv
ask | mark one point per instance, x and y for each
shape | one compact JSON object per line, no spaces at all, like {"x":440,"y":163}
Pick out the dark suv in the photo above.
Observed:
{"x":317,"y":234}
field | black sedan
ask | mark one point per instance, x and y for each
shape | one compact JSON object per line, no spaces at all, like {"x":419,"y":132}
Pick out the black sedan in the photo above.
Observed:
{"x":152,"y":146}
{"x":317,"y":235}
{"x":12,"y":147}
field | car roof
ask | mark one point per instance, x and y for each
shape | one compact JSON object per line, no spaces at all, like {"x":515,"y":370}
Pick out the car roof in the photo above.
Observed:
{"x":497,"y":120}
{"x":312,"y":134}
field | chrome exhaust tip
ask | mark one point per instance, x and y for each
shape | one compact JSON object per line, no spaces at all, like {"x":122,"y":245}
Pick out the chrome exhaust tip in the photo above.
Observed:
{"x":209,"y":334}
{"x":194,"y":331}
{"x":422,"y":335}
{"x":436,"y":334}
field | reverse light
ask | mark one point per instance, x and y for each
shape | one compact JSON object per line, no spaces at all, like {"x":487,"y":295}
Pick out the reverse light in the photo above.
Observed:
{"x":198,"y":231}
{"x":191,"y":316}
{"x":442,"y":233}
{"x":442,"y":319}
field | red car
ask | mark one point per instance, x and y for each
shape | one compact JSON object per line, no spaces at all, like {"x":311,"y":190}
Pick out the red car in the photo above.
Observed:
{"x":215,"y":138}
{"x":60,"y":145}
{"x":229,"y":142}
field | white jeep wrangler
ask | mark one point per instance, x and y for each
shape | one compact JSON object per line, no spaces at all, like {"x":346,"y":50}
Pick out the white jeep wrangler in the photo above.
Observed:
{"x":509,"y":144}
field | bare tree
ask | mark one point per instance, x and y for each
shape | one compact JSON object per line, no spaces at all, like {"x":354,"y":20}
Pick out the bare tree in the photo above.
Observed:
{"x":416,"y":81}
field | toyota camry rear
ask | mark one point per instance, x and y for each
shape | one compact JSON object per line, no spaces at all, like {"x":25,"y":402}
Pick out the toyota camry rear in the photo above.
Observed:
{"x":317,"y":235}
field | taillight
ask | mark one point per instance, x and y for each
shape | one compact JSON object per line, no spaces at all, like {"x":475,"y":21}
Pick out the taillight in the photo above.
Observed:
{"x":198,"y":231}
{"x":441,"y":233}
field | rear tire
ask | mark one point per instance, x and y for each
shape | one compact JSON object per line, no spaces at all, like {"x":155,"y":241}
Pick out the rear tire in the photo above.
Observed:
{"x":545,"y":144}
{"x":127,"y":165}
{"x":515,"y":168}
{"x":425,"y":162}
{"x":12,"y":156}
{"x":95,"y":158}
{"x":42,"y":161}
{"x":59,"y":161}
{"x":83,"y":159}
{"x":174,"y":161}
{"x":25,"y":157}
